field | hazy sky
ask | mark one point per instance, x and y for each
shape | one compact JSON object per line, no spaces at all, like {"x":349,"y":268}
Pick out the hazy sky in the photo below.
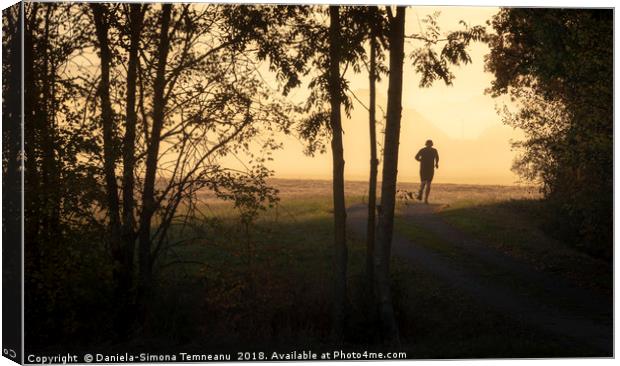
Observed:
{"x":473,"y":144}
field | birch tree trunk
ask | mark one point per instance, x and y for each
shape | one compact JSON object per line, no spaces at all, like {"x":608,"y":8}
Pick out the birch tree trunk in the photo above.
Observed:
{"x":148,"y":195}
{"x":136,"y":16}
{"x":100,"y":17}
{"x":340,"y":246}
{"x":372,"y":182}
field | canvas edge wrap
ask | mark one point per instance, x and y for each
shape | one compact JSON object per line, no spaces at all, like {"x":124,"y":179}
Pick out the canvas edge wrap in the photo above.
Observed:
{"x":12,"y":183}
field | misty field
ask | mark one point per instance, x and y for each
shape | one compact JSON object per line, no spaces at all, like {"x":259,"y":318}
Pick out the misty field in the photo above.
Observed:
{"x":267,"y":285}
{"x":442,"y":193}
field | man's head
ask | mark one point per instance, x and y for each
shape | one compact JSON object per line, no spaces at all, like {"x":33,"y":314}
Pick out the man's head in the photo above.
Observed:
{"x":429,"y":143}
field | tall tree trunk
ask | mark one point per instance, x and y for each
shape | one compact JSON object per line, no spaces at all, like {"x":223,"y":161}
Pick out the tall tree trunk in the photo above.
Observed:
{"x":372,"y":182}
{"x":340,"y":245}
{"x":128,"y":234}
{"x":388,"y":185}
{"x":136,"y":16}
{"x":101,"y":19}
{"x":148,"y":195}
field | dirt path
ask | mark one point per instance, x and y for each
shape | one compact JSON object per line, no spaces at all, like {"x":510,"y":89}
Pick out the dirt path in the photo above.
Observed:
{"x":563,"y":310}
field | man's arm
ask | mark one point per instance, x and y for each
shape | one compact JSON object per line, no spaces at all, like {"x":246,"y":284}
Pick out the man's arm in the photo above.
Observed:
{"x":418,"y":156}
{"x":436,"y":159}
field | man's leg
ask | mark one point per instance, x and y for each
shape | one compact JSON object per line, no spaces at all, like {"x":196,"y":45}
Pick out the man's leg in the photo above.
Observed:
{"x":422,"y":184}
{"x":428,"y":191}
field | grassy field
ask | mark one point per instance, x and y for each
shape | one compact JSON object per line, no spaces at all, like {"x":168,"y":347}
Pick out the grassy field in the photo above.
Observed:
{"x":515,"y":227}
{"x":268,"y":285}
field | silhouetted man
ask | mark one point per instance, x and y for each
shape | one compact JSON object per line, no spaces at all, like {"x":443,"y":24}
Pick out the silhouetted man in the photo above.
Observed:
{"x":429,"y":160}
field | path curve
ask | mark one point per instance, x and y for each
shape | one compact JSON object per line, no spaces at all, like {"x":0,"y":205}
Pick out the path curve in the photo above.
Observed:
{"x":575,"y":322}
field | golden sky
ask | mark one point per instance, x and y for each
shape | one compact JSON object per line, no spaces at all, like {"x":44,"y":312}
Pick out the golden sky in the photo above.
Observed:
{"x":473,"y":144}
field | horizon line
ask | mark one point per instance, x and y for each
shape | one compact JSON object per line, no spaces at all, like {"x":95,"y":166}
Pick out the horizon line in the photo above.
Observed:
{"x":515,"y":184}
